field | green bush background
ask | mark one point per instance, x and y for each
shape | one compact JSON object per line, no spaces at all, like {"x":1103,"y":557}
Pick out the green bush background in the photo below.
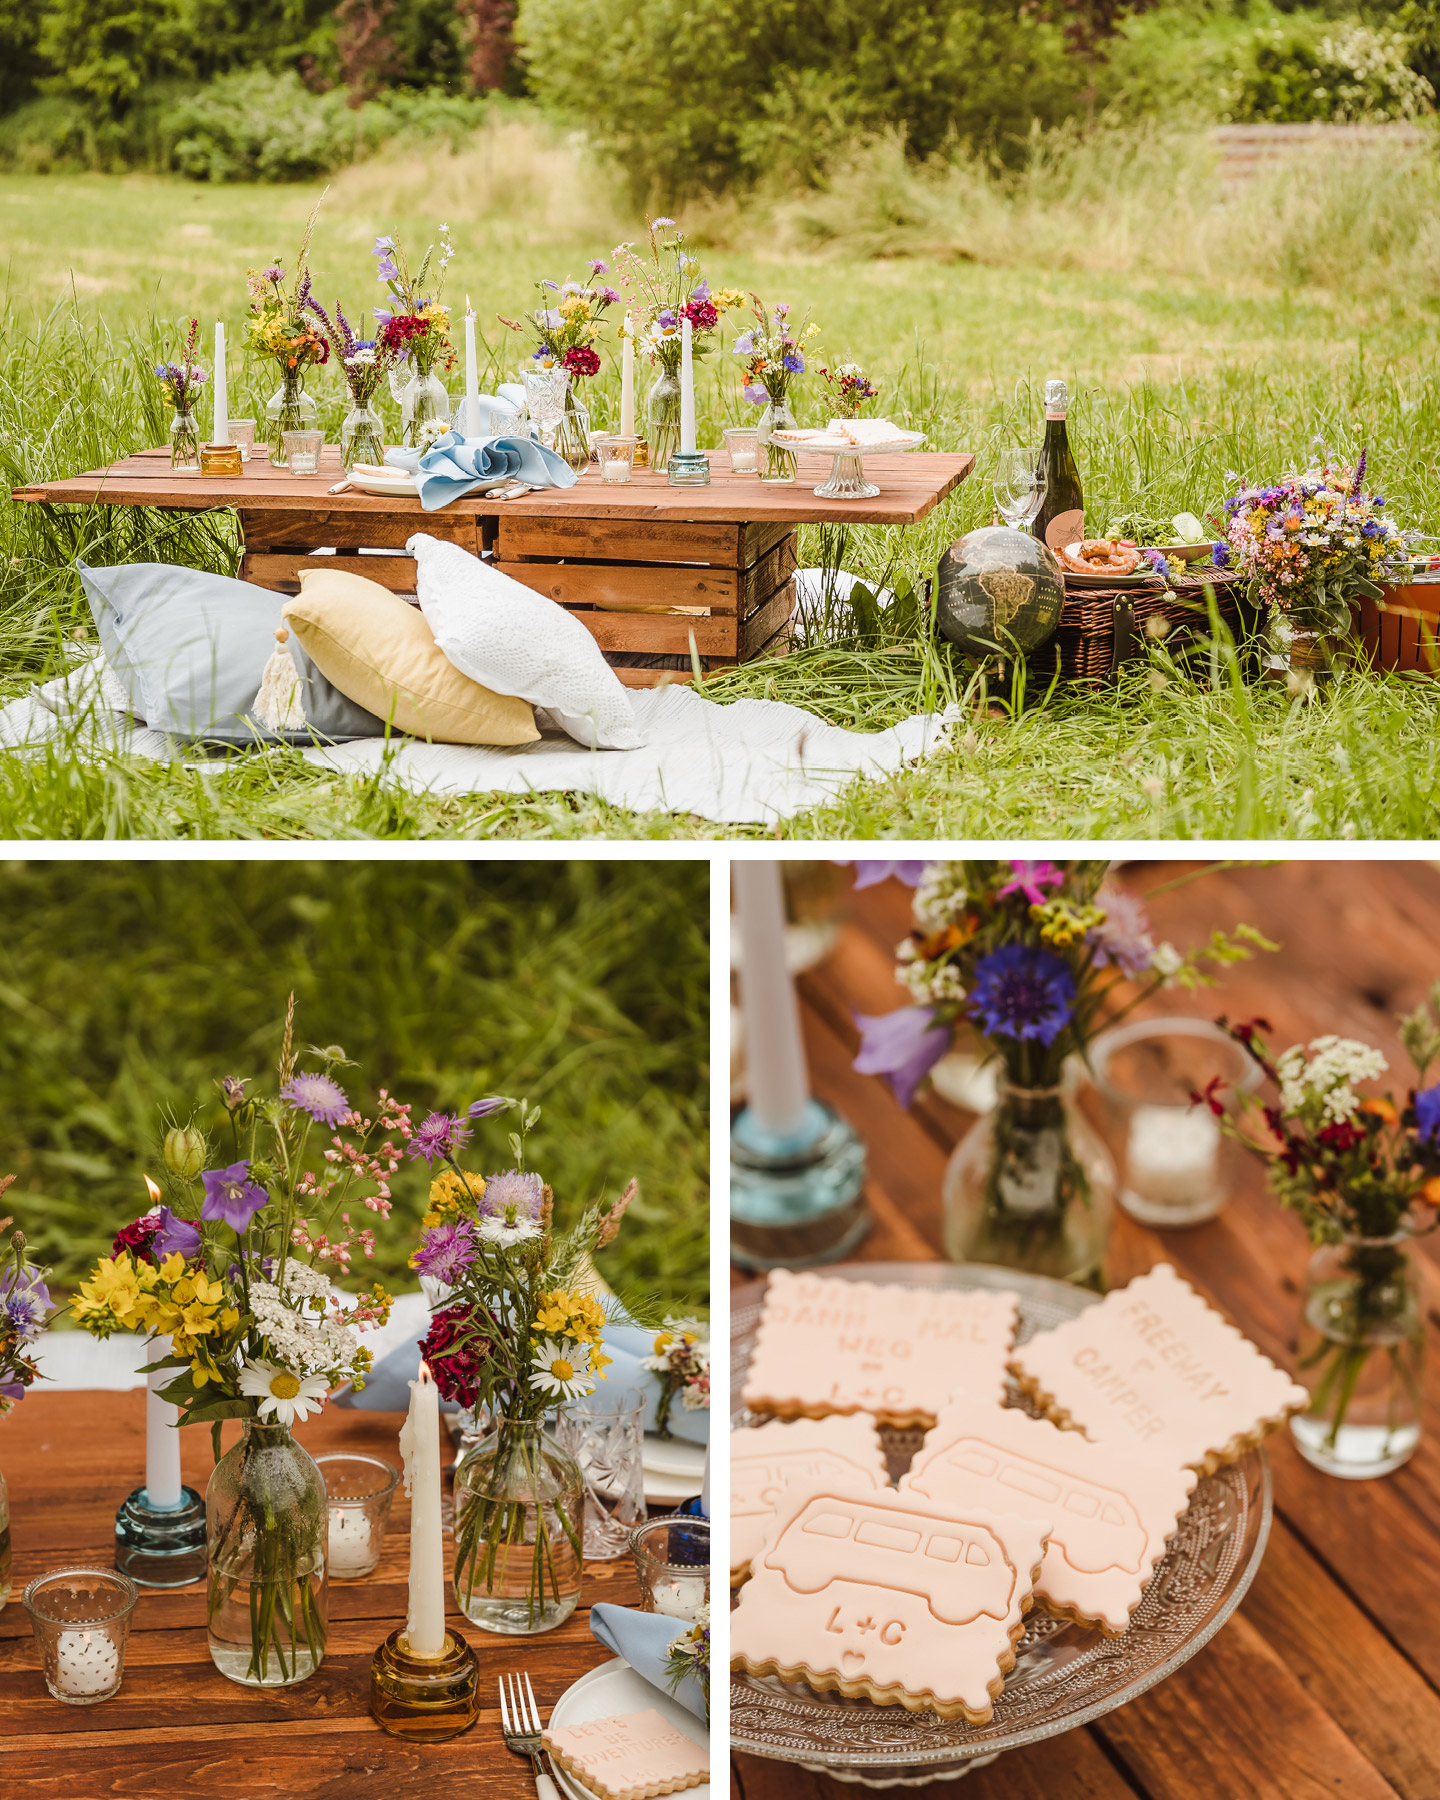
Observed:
{"x":128,"y":988}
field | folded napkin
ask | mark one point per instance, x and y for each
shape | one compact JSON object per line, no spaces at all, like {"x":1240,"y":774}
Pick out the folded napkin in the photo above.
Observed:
{"x":643,"y":1639}
{"x":453,"y":466}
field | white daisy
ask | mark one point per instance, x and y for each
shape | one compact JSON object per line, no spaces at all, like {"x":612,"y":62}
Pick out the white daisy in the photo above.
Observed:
{"x":562,"y":1369}
{"x":509,"y":1231}
{"x":283,"y":1395}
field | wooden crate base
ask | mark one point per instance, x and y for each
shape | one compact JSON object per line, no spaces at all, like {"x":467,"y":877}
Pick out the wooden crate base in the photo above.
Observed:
{"x":1402,"y":631}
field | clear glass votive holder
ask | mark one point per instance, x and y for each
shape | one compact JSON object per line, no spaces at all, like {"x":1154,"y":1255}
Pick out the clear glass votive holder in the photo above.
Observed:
{"x":605,"y":1433}
{"x":1176,"y":1165}
{"x":672,"y":1562}
{"x":302,"y":451}
{"x":242,"y":432}
{"x":617,"y":456}
{"x":358,"y":1493}
{"x":742,"y":445}
{"x":81,"y":1620}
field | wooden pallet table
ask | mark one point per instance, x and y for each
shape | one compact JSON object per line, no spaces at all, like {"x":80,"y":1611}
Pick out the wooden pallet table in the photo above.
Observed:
{"x":654,"y":572}
{"x":178,"y":1728}
{"x":1326,"y":1682}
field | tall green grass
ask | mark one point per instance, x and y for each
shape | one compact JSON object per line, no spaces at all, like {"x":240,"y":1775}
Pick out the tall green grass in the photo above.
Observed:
{"x":128,"y":988}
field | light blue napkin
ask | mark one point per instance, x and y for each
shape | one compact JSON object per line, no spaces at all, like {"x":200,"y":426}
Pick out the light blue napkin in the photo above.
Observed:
{"x":643,"y":1639}
{"x":454,"y":465}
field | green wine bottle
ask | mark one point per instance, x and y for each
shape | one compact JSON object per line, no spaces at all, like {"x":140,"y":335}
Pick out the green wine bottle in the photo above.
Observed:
{"x":1061,"y":519}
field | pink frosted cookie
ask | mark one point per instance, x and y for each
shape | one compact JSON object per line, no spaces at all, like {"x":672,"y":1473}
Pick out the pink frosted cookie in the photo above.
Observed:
{"x":1153,"y":1368}
{"x":764,"y":1459}
{"x":908,"y":1601}
{"x":629,"y":1758}
{"x":831,"y":1346}
{"x":1110,"y":1515}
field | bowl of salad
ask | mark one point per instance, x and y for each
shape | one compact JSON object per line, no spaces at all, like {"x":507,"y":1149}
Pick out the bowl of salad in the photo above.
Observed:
{"x":1181,"y":538}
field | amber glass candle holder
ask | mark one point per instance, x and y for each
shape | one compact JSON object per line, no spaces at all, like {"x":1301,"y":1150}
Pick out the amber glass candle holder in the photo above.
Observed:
{"x":424,"y":1700}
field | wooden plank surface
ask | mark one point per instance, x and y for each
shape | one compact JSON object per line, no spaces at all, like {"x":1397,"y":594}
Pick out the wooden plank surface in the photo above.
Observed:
{"x":911,"y":486}
{"x":178,"y":1728}
{"x":1327,"y":1681}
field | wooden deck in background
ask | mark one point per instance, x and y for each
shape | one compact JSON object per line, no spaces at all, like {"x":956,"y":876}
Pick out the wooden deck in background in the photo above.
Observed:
{"x":178,"y":1729}
{"x":1326,"y":1683}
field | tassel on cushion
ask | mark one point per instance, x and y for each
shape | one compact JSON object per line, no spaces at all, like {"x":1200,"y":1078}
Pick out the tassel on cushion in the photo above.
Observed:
{"x":278,"y":706}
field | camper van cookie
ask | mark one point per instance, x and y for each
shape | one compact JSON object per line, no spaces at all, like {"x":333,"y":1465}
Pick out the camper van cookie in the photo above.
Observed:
{"x":630,"y":1758}
{"x":831,"y":1346}
{"x":1153,"y":1369}
{"x":765,"y":1459}
{"x":907,"y":1601}
{"x":1110,"y":1515}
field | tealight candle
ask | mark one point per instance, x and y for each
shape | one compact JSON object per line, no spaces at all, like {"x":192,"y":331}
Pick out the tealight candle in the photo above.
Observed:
{"x":87,"y":1664}
{"x":352,"y":1550}
{"x":680,"y":1598}
{"x":1174,"y":1156}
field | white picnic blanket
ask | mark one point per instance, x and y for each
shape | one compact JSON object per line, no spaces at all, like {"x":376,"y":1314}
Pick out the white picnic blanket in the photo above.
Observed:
{"x":751,"y":762}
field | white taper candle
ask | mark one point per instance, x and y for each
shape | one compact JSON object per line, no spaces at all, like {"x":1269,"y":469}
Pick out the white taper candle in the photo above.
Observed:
{"x":776,"y":1081}
{"x":472,"y":375}
{"x":420,"y":1448}
{"x":627,"y":378}
{"x":162,"y":1439}
{"x":220,"y":392}
{"x":687,"y":387}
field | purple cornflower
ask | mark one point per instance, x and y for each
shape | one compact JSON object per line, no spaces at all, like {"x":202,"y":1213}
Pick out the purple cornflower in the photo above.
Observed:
{"x":793,"y":361}
{"x":317,"y":1095}
{"x":1427,"y":1115}
{"x":1031,"y":879}
{"x":446,"y":1250}
{"x":483,"y":1109}
{"x":611,"y":296}
{"x":175,"y":1235}
{"x":1220,"y":554}
{"x":439,"y":1137}
{"x":1124,"y":940}
{"x":1022,"y":992}
{"x":231,"y":1196}
{"x":274,"y":273}
{"x":903,"y":1046}
{"x":599,"y":267}
{"x":871,"y":874}
{"x":24,"y":1306}
{"x":513,"y":1194}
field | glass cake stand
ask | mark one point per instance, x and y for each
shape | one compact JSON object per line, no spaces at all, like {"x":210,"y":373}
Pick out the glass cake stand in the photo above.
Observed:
{"x":1065,"y":1674}
{"x":847,"y":479}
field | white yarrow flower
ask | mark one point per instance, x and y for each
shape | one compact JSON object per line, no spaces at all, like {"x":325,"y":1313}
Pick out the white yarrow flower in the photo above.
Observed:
{"x":284,"y":1396}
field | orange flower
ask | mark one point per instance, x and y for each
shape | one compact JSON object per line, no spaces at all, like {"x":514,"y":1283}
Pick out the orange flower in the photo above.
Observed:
{"x":1381,"y":1109}
{"x":1431,"y":1190}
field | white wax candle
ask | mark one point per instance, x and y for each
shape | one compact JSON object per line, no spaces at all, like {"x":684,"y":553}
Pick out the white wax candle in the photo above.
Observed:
{"x":352,"y":1544}
{"x":221,"y":390}
{"x":680,"y":1598}
{"x":779,"y":1091}
{"x":627,"y":379}
{"x":420,"y":1447}
{"x":86,"y":1662}
{"x":1174,"y":1155}
{"x":472,"y":375}
{"x":687,"y":388}
{"x":162,"y":1439}
{"x":705,"y":1485}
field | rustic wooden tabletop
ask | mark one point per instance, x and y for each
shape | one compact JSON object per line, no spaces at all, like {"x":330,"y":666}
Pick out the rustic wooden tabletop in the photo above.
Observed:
{"x":1325,"y":1681}
{"x":178,"y":1729}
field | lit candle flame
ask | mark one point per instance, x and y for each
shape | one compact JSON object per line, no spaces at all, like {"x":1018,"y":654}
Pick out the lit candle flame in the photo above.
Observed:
{"x":425,"y":1374}
{"x":468,"y":307}
{"x":153,"y":1191}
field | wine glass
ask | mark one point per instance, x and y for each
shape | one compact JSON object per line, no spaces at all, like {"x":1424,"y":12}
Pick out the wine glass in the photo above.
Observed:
{"x":1019,"y":487}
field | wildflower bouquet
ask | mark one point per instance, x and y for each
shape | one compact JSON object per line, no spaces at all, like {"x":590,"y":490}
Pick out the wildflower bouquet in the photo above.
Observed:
{"x":680,"y":1358}
{"x":664,"y":286}
{"x":1312,"y":543}
{"x":181,"y":382}
{"x":518,"y":1331}
{"x":773,"y":353}
{"x":232,"y":1273}
{"x":564,"y":330}
{"x":364,"y":362}
{"x":850,"y":388}
{"x":24,"y":1302}
{"x":280,"y":328}
{"x":1363,"y":1174}
{"x":689,"y":1654}
{"x":417,"y":328}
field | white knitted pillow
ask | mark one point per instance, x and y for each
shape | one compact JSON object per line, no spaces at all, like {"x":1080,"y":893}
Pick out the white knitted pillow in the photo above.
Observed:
{"x":515,"y":641}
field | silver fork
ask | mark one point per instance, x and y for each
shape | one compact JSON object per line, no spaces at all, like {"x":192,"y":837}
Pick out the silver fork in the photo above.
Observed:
{"x":523,"y":1736}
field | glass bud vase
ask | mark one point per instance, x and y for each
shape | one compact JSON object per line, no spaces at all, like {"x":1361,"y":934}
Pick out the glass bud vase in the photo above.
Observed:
{"x":777,"y":465}
{"x":1031,"y":1186}
{"x":185,"y":444}
{"x":4,"y":1543}
{"x":425,"y":399}
{"x":519,"y":1516}
{"x":289,"y":408}
{"x":266,"y":1530}
{"x":1362,"y":1356}
{"x":662,"y":413}
{"x":572,"y":435}
{"x":362,"y":437}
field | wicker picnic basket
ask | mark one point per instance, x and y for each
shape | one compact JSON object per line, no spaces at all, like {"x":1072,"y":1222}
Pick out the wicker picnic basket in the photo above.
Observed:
{"x":1101,"y":628}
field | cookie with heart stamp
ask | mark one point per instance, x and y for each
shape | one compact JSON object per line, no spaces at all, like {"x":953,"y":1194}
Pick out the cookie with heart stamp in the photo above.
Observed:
{"x":1153,"y":1369}
{"x":1110,"y":1515}
{"x":636,"y":1756}
{"x":826,"y":1345}
{"x":765,"y":1459}
{"x":889,"y":1597}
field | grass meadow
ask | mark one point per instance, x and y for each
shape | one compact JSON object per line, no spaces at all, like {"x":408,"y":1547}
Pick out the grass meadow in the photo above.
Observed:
{"x":127,"y":989}
{"x":1200,"y":336}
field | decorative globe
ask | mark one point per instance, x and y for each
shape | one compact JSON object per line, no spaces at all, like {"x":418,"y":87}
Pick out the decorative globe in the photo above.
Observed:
{"x":999,"y":589}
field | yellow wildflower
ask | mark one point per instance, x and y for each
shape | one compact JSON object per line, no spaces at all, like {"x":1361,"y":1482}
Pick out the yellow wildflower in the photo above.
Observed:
{"x":1061,"y":923}
{"x":448,"y":1197}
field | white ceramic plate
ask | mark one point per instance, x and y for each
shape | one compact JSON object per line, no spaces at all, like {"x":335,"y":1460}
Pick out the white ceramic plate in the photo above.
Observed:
{"x":674,"y":1469}
{"x":401,"y":487}
{"x":607,"y":1692}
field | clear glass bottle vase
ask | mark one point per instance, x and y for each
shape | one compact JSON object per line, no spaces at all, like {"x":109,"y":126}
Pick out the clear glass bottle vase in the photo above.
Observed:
{"x":289,"y":408}
{"x":1031,"y":1186}
{"x":662,"y":414}
{"x":777,"y":465}
{"x":1362,"y":1357}
{"x":362,"y":436}
{"x":519,"y":1518}
{"x":426,"y":399}
{"x":572,"y":434}
{"x":266,"y":1532}
{"x":184,"y":444}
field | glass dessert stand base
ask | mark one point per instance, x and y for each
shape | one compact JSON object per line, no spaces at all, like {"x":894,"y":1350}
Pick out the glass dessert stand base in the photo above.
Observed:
{"x":1065,"y":1674}
{"x":847,"y":479}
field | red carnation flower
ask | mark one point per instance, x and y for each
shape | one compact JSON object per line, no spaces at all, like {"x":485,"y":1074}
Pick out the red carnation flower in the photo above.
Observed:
{"x":455,"y":1352}
{"x":1341,"y":1136}
{"x":137,"y":1237}
{"x":701,"y":314}
{"x":581,"y":361}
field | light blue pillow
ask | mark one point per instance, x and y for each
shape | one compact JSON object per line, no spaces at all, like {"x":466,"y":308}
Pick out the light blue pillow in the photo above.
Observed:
{"x":190,"y":648}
